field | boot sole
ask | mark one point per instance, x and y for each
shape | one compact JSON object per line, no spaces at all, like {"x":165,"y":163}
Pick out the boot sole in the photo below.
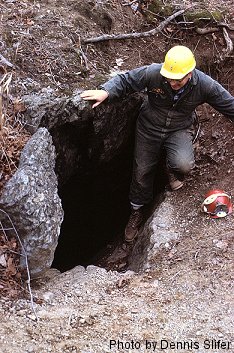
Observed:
{"x":178,"y":187}
{"x":130,"y":241}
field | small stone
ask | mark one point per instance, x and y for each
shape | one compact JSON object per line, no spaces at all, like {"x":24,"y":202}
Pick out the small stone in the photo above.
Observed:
{"x":162,"y":225}
{"x":32,"y":317}
{"x":221,"y":244}
{"x":48,"y":296}
{"x":156,"y":283}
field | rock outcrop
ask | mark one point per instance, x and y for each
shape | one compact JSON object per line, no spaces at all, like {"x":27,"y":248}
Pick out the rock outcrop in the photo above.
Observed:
{"x":31,"y":200}
{"x":83,"y":139}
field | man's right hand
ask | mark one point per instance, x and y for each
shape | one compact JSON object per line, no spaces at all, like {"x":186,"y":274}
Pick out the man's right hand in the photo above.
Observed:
{"x":98,"y":95}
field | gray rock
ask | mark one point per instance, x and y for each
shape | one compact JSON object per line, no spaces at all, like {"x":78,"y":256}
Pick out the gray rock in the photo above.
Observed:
{"x":31,"y":200}
{"x":158,"y":231}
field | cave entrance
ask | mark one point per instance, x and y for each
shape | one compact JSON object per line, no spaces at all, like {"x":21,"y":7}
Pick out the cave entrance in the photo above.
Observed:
{"x":95,"y":191}
{"x":96,"y":209}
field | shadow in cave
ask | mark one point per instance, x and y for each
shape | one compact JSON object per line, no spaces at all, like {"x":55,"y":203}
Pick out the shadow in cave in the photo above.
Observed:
{"x":96,"y":209}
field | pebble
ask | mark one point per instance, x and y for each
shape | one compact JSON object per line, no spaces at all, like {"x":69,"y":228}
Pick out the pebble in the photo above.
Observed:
{"x":162,"y":225}
{"x":167,"y":245}
{"x":155,"y":283}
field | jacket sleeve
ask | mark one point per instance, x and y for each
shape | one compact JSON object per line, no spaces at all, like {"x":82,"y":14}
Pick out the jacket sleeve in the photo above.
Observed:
{"x":221,"y":100}
{"x":132,"y":81}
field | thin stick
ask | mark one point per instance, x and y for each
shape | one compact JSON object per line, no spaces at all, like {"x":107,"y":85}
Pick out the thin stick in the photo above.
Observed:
{"x":4,"y":87}
{"x":176,"y":274}
{"x":152,"y":32}
{"x":4,"y":231}
{"x":26,"y":262}
{"x":130,"y":3}
{"x":1,"y":110}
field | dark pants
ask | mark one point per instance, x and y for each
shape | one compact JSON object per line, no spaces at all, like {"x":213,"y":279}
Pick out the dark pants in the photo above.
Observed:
{"x":179,"y":158}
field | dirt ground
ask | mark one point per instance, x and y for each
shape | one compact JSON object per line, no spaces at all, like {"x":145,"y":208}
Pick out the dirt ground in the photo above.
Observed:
{"x":186,"y":293}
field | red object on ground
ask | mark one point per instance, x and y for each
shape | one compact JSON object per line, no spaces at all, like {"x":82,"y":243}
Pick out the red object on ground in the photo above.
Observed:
{"x":217,"y":203}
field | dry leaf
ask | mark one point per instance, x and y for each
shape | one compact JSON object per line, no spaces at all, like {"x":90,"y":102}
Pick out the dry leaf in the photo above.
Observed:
{"x":18,"y":106}
{"x":11,"y":269}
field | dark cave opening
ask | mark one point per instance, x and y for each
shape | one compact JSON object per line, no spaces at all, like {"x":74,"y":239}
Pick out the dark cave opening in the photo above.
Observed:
{"x":96,"y":209}
{"x":95,"y":198}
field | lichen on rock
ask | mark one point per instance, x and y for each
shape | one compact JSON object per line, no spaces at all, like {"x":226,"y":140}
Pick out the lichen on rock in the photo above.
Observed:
{"x":31,"y":200}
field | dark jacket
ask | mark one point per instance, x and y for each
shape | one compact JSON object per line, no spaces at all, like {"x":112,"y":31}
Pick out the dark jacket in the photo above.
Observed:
{"x":159,"y":111}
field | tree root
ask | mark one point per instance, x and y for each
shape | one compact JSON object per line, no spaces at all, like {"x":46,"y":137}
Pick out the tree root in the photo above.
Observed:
{"x":214,"y":29}
{"x":206,"y":30}
{"x":229,"y":42}
{"x":229,"y":47}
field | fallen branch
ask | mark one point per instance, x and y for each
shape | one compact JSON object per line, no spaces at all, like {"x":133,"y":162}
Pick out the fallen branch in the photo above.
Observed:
{"x":152,"y":32}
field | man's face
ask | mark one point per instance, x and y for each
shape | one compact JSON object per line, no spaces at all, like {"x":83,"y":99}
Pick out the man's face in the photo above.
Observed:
{"x":178,"y":84}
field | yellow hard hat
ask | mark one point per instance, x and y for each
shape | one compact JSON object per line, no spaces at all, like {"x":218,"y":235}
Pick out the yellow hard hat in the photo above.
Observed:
{"x":179,"y":61}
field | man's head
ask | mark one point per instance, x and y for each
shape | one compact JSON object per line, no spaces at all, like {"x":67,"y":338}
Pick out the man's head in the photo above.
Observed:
{"x":178,"y":66}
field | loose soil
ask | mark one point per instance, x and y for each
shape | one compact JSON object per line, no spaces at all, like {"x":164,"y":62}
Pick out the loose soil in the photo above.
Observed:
{"x":185,"y":293}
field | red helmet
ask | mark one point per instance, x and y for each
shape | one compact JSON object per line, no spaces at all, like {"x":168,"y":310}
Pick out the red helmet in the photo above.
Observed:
{"x":217,"y":203}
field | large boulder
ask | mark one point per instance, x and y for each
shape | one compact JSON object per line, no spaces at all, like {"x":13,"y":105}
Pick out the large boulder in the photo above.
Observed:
{"x":31,"y":200}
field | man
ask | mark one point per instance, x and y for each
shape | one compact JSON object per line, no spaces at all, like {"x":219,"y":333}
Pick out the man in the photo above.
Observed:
{"x":174,"y":90}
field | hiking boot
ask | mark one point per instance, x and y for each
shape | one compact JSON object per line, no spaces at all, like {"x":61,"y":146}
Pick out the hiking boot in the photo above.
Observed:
{"x":133,"y":226}
{"x":175,"y":183}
